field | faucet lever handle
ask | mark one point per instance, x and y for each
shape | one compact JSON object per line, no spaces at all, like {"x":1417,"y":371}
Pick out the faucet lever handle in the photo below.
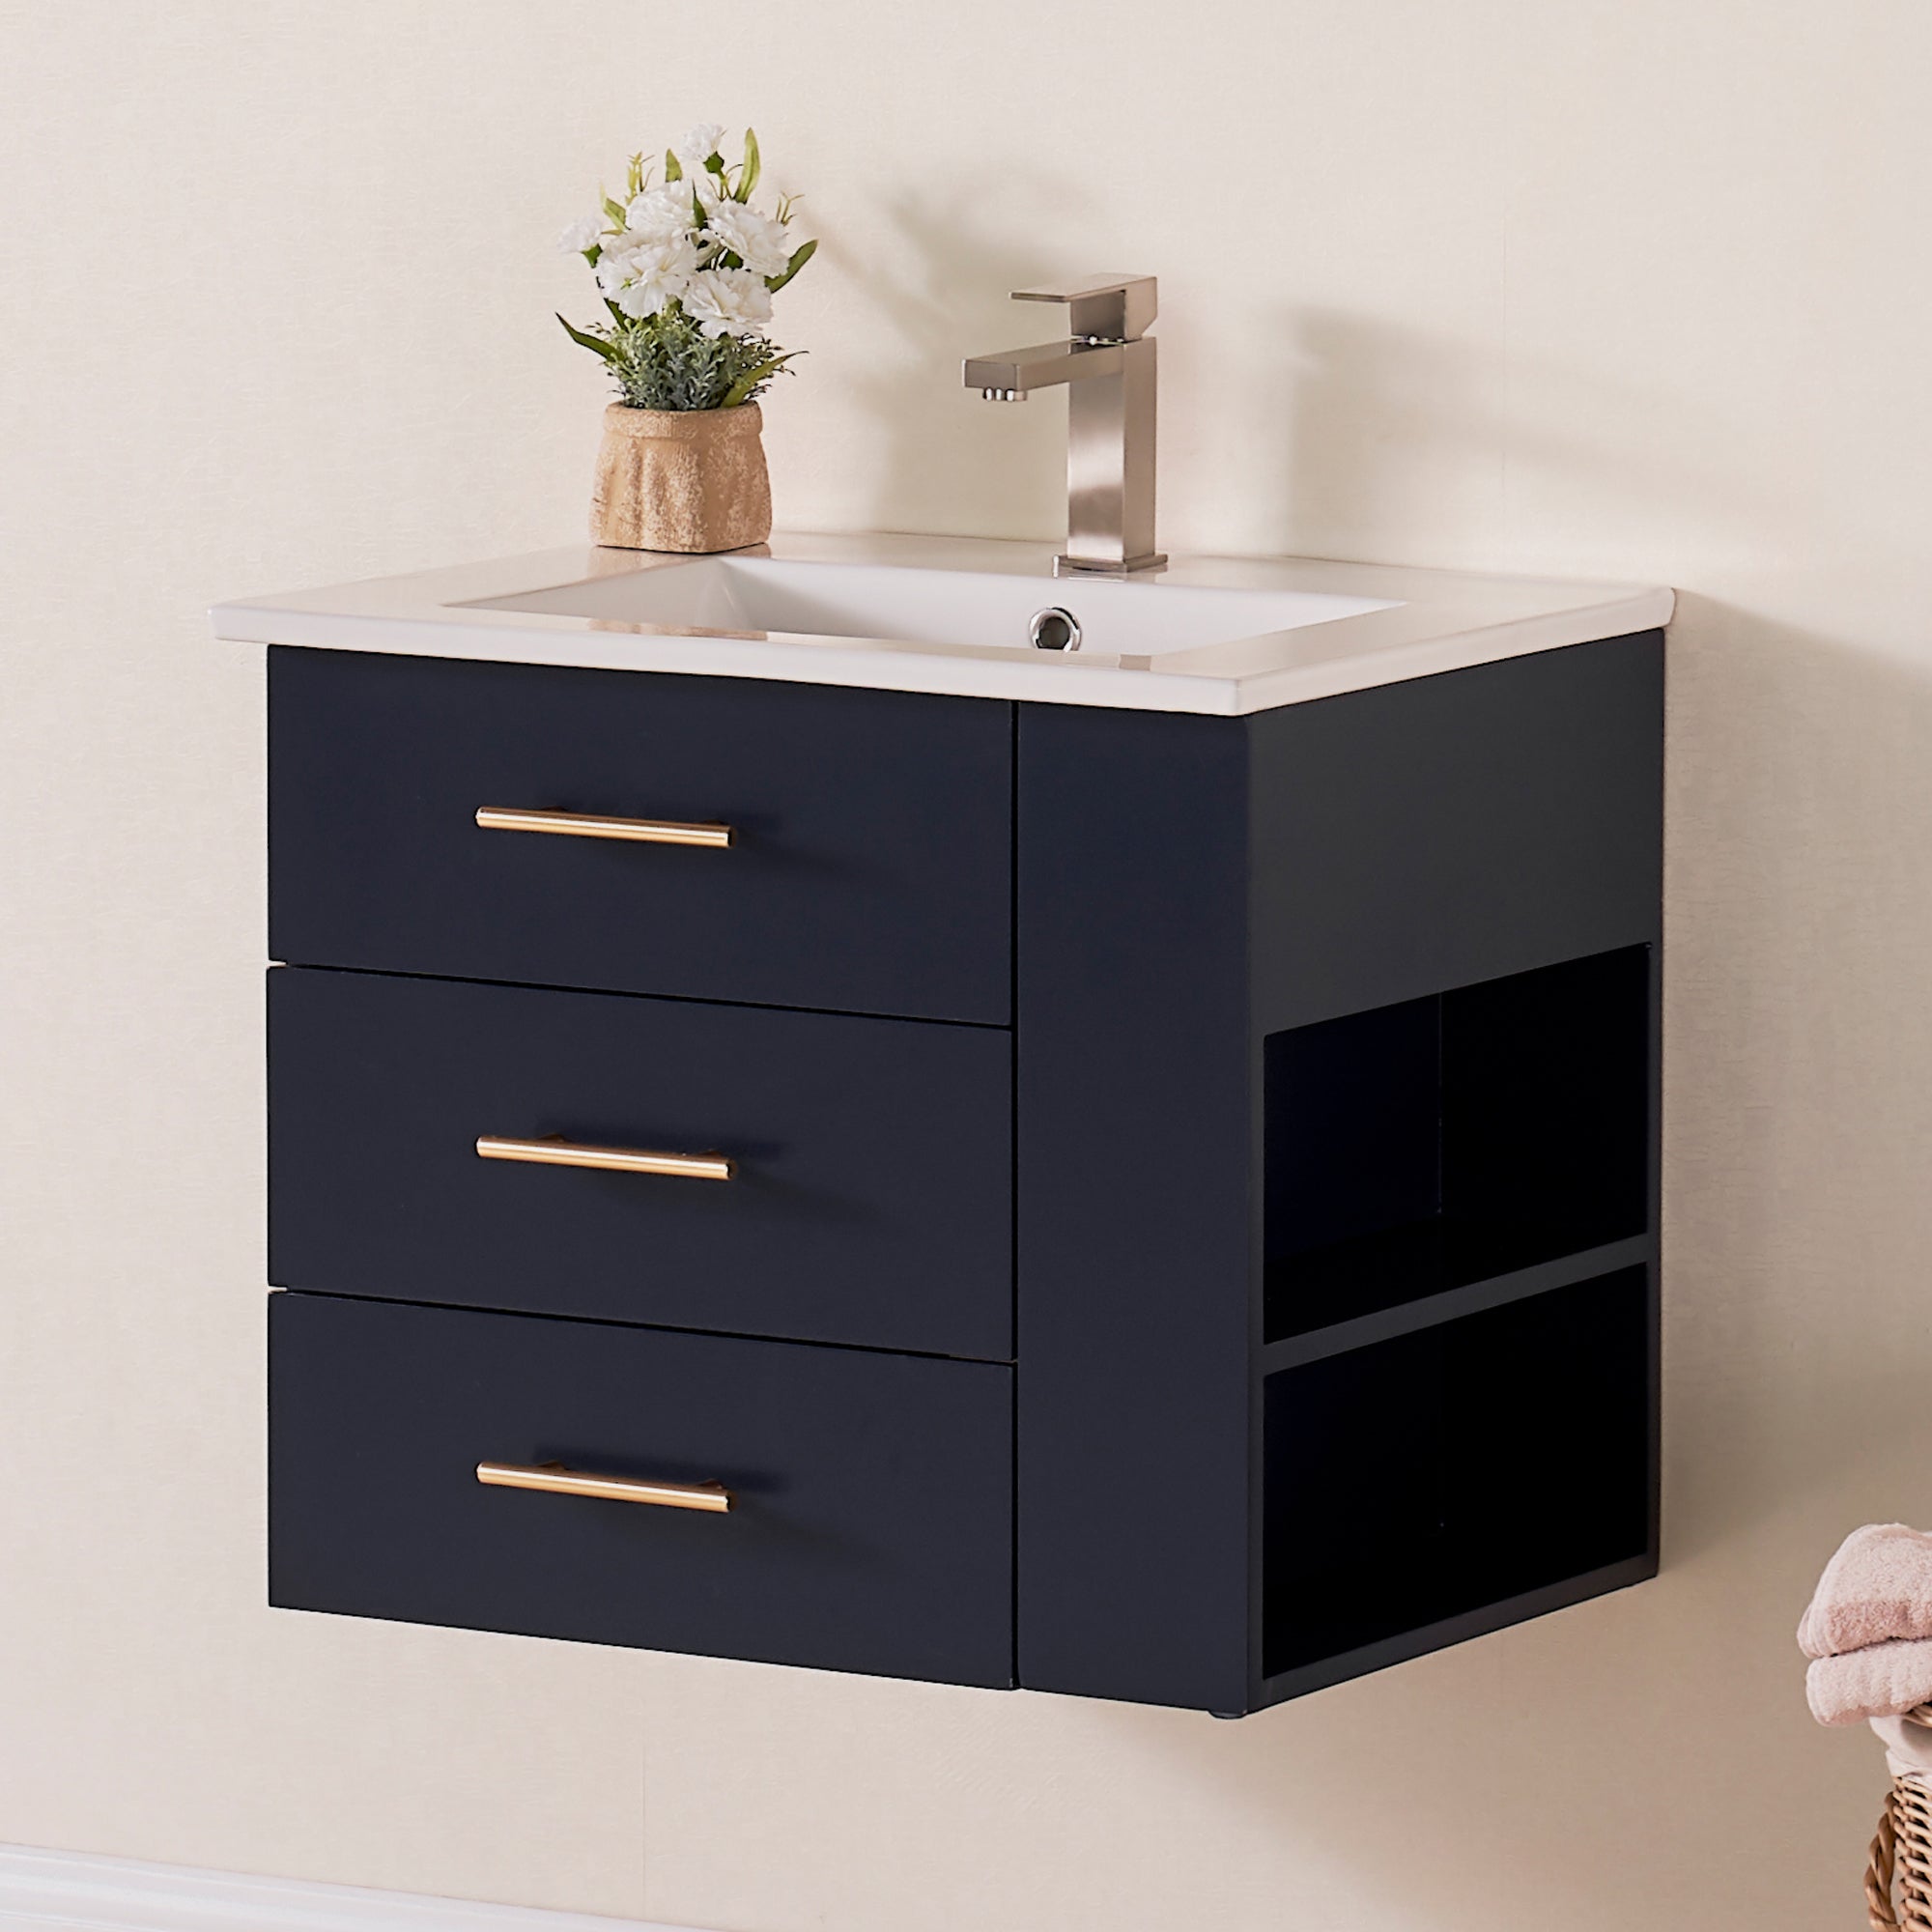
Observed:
{"x":1111,"y":308}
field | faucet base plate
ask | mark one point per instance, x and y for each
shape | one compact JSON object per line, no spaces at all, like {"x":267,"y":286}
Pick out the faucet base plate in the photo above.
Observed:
{"x":1081,"y":566}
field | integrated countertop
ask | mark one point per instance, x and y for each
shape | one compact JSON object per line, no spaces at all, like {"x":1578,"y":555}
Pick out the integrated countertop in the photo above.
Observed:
{"x":1394,"y":623}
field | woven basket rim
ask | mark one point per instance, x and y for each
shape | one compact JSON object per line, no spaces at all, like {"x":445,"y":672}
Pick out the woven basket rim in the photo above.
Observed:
{"x":684,"y":425}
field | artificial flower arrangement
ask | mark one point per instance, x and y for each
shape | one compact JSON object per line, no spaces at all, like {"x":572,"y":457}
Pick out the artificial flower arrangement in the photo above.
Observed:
{"x":687,"y":266}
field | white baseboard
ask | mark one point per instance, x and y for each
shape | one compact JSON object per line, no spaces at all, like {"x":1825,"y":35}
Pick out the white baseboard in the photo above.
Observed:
{"x":76,"y":1891}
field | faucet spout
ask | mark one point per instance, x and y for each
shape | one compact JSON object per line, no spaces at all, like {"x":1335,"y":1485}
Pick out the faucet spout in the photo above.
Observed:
{"x":1108,"y":368}
{"x":1046,"y":365}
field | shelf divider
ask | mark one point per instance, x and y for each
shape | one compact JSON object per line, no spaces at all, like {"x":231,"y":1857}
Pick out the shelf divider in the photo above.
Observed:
{"x":1428,"y":1311}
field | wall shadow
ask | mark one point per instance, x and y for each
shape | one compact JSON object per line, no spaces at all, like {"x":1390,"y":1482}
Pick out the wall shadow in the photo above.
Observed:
{"x":947,"y":461}
{"x":1402,"y":445}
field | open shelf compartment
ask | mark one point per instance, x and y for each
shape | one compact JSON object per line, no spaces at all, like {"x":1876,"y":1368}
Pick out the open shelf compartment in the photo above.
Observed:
{"x":1455,"y":1467}
{"x":1448,"y":1140}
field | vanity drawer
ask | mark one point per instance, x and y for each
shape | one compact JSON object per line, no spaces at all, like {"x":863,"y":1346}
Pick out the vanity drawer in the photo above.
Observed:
{"x":870,"y":1198}
{"x":870,"y":1519}
{"x":869,"y":869}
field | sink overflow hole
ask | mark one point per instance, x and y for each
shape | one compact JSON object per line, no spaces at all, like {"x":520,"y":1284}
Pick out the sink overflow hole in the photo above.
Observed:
{"x":1054,"y":630}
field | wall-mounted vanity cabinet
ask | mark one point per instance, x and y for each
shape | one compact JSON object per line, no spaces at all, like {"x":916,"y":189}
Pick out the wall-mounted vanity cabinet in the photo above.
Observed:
{"x":997,"y":1183}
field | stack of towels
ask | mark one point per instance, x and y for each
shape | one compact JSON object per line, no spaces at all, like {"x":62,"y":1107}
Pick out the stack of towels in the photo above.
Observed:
{"x":1869,"y":1636}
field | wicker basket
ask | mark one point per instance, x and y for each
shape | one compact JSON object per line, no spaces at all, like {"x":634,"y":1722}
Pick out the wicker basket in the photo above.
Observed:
{"x":1901,"y":1855}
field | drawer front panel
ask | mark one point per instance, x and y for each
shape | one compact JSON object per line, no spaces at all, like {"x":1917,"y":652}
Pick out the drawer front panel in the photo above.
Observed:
{"x":871,"y":1526}
{"x":869,"y":868}
{"x":869,"y":1198}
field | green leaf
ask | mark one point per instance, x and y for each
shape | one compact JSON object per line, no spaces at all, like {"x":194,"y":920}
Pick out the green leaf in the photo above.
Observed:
{"x":633,"y":175}
{"x":748,"y":179}
{"x":672,"y":172}
{"x":801,"y":255}
{"x":753,"y":377}
{"x":713,"y":164}
{"x":594,"y":253}
{"x":614,"y":209}
{"x":595,"y":342}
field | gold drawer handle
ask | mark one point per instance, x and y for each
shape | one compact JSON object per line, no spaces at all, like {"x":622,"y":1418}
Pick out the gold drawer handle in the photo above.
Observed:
{"x":558,"y":1481}
{"x":586,"y":825}
{"x":619,"y":1160}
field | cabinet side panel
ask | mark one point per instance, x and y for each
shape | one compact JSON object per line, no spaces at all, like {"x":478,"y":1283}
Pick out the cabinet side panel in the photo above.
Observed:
{"x":1135,"y":1207}
{"x":1454,"y":829}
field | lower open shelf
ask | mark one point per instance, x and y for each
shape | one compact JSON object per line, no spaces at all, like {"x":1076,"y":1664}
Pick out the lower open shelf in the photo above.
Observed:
{"x":1460,"y":1465}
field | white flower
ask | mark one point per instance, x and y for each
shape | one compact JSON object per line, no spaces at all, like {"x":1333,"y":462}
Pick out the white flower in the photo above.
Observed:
{"x":581,"y":235}
{"x":641,"y":274}
{"x":660,"y":213}
{"x":698,"y":146}
{"x":727,"y":301}
{"x":759,"y":241}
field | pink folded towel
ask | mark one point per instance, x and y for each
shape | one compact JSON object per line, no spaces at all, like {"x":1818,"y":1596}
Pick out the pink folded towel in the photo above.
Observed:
{"x":1883,"y":1680}
{"x":1877,"y":1589}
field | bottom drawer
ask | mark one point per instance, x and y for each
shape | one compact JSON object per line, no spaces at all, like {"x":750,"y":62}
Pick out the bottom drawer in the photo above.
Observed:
{"x":870,"y":1525}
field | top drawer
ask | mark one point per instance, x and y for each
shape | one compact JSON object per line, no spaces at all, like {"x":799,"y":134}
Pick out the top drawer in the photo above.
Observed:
{"x":868,"y":870}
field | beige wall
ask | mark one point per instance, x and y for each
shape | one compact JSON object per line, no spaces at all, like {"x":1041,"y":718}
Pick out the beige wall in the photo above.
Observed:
{"x":1638,"y":287}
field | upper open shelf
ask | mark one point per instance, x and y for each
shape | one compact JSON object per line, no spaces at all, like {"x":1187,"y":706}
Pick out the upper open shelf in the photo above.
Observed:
{"x":1452,"y":1139}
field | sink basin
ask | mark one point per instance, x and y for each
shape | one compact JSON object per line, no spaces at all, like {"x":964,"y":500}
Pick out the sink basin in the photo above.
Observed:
{"x":760,"y":596}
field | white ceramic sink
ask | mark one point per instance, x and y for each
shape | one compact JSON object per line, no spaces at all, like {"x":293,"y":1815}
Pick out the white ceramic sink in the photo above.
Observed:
{"x":1217,"y":634}
{"x":751,"y":596}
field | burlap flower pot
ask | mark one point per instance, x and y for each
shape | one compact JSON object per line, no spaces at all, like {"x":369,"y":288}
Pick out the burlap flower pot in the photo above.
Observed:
{"x":681,"y":479}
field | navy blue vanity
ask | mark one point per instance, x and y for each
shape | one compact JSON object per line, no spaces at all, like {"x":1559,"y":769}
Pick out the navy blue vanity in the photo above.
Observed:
{"x":1170,"y":1204}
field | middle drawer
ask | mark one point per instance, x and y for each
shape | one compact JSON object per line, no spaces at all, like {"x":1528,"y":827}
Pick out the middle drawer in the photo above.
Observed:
{"x":870,"y":1198}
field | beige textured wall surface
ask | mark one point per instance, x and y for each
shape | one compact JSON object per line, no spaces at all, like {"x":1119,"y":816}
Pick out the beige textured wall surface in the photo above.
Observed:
{"x":1621,"y":287}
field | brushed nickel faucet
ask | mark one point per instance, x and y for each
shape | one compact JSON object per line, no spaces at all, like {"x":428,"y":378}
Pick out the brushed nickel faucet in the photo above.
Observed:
{"x":1108,"y":366}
